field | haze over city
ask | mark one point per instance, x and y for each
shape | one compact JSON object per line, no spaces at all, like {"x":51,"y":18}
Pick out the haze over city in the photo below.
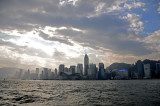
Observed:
{"x":38,"y":33}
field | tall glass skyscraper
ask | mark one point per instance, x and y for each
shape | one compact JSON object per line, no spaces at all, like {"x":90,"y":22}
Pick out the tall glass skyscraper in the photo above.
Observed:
{"x":86,"y":64}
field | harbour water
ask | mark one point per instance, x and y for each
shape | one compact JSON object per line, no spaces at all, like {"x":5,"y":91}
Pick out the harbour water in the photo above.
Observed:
{"x":80,"y":92}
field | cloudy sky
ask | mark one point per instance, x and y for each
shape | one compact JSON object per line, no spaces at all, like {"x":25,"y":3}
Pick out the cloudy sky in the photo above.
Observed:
{"x":46,"y":33}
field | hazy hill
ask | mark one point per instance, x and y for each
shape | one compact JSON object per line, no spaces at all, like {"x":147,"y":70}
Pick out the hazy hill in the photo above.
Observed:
{"x":119,"y":66}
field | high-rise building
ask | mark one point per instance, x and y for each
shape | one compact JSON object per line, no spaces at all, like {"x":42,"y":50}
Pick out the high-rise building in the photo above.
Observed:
{"x":80,"y":69}
{"x":41,"y":75}
{"x":61,"y":68}
{"x":45,"y":74}
{"x":28,"y":74}
{"x":49,"y":74}
{"x":92,"y":71}
{"x":158,"y":68}
{"x":101,"y":66}
{"x":65,"y":69}
{"x":37,"y":70}
{"x":86,"y":64}
{"x":147,"y":71}
{"x":20,"y":73}
{"x":37,"y":73}
{"x":140,"y":69}
{"x":55,"y":73}
{"x":52,"y":76}
{"x":73,"y":69}
{"x":101,"y":71}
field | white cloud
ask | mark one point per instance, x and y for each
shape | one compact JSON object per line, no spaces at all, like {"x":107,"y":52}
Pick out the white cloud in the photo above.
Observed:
{"x":64,"y":2}
{"x":133,"y":5}
{"x":135,"y":23}
{"x":154,"y":40}
{"x":144,"y":9}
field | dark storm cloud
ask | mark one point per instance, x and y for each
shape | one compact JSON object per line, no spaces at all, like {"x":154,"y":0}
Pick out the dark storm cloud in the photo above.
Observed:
{"x":107,"y":31}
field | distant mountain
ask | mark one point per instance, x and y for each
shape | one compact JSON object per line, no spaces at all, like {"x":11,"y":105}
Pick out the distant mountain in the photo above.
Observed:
{"x":119,"y":66}
{"x":8,"y":72}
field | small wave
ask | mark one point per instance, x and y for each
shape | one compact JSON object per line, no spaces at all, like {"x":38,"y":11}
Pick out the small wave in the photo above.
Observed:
{"x":24,"y":99}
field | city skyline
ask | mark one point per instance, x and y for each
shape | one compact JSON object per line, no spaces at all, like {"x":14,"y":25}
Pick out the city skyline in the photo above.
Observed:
{"x":146,"y":69}
{"x":48,"y":33}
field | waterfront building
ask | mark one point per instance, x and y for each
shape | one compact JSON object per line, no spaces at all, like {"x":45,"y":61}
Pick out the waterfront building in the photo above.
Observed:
{"x":158,"y":68}
{"x":37,"y":73}
{"x":73,"y":69}
{"x":61,"y":68}
{"x":86,"y":64}
{"x":37,"y":70}
{"x":140,"y":69}
{"x":65,"y":69}
{"x":26,"y":75}
{"x":52,"y":76}
{"x":121,"y":74}
{"x":147,"y":71}
{"x":80,"y":69}
{"x":101,"y":71}
{"x":55,"y":73}
{"x":45,"y":73}
{"x":92,"y":71}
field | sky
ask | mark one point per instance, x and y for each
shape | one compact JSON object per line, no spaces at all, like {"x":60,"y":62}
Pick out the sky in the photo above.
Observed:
{"x":46,"y":33}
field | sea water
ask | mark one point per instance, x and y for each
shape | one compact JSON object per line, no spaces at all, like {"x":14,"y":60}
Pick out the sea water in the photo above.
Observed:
{"x":80,"y":92}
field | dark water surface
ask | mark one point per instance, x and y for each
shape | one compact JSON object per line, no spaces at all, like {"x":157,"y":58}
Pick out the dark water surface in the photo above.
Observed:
{"x":90,"y":93}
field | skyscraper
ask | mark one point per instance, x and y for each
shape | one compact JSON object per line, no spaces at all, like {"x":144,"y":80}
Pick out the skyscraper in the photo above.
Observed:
{"x":101,"y":66}
{"x":147,"y":71}
{"x":61,"y":68}
{"x":139,"y":69}
{"x":65,"y":69}
{"x":158,"y":68}
{"x":45,"y":74}
{"x":55,"y":73}
{"x":101,"y":71}
{"x":86,"y":64}
{"x":37,"y":70}
{"x":73,"y":69}
{"x":37,"y":73}
{"x":80,"y":69}
{"x":92,"y":71}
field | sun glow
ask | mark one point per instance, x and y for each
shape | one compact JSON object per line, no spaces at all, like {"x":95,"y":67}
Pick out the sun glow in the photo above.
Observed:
{"x":32,"y":40}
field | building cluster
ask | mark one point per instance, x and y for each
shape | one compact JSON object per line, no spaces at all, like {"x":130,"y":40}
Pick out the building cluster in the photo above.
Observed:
{"x":142,"y":69}
{"x":147,"y":69}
